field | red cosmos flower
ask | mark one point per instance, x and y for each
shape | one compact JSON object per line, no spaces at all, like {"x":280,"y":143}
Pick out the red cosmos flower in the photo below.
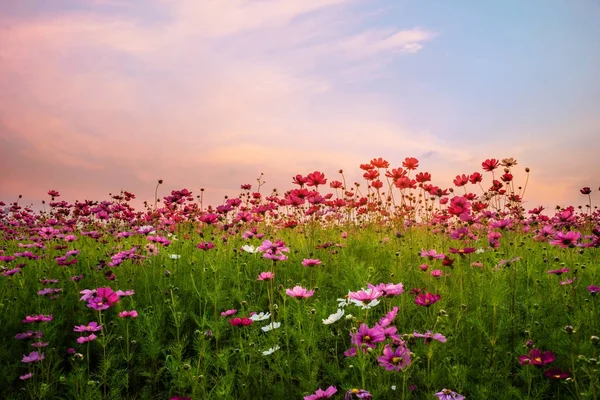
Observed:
{"x":496,"y":186}
{"x":335,"y":184}
{"x":462,"y":252}
{"x":247,"y":186}
{"x":506,"y":178}
{"x":405,"y":183}
{"x":490,"y":164}
{"x":366,"y":167}
{"x":299,"y":180}
{"x":380,"y":163}
{"x":475,"y":177}
{"x":410,"y":163}
{"x":371,"y":175}
{"x":315,"y":179}
{"x":461,"y":180}
{"x":53,"y":193}
{"x":396,"y":173}
{"x":377,"y":184}
{"x":584,"y":190}
{"x":423,"y":177}
{"x":447,"y":262}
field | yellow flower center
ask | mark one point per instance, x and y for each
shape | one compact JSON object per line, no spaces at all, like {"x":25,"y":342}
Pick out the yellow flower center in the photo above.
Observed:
{"x":396,"y":360}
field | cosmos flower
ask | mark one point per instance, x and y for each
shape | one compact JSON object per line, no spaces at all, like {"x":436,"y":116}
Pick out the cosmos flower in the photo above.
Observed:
{"x":432,"y":254}
{"x":128,"y":314}
{"x":270,"y":351}
{"x":334,"y":317}
{"x":37,"y":318}
{"x":357,"y":393}
{"x":447,"y":394}
{"x":429,"y":336}
{"x":426,"y":299}
{"x":299,"y":292}
{"x":308,"y":262}
{"x":33,"y":357}
{"x":260,"y":317}
{"x":271,"y":326}
{"x":228,"y":313}
{"x":322,"y":394}
{"x":90,"y":327}
{"x":395,"y":360}
{"x":85,"y":339}
{"x":265,"y":276}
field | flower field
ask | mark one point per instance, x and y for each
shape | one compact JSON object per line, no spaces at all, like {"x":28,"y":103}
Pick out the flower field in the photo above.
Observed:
{"x":389,"y":288}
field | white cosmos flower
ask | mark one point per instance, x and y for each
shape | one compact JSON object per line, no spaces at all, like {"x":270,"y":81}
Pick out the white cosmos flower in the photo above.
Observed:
{"x":271,"y":350}
{"x":343,"y":302}
{"x":260,"y":317}
{"x":175,"y":256}
{"x":250,"y":249}
{"x":364,"y":306}
{"x":269,"y":327}
{"x":479,"y":251}
{"x":334,"y":317}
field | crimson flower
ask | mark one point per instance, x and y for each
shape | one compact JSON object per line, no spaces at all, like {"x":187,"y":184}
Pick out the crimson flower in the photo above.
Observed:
{"x":462,"y":252}
{"x":537,"y":358}
{"x":380,"y":163}
{"x":556,"y":373}
{"x":245,"y":321}
{"x":315,"y":179}
{"x":426,"y":299}
{"x":490,"y":164}
{"x":461,"y":180}
{"x":585,"y":190}
{"x":299,"y":180}
{"x":475,"y":177}
{"x":410,"y":163}
{"x":423,"y":177}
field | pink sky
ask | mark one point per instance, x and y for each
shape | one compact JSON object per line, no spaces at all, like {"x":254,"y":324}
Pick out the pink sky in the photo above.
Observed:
{"x":102,"y":95}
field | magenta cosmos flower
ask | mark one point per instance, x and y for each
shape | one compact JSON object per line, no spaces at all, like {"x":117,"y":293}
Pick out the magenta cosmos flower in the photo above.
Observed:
{"x":322,"y":394}
{"x":447,"y":394}
{"x":537,"y":358}
{"x":105,"y":297}
{"x":366,"y":296}
{"x":564,"y":240}
{"x":358,"y":393}
{"x":556,"y":373}
{"x":299,"y":292}
{"x":266,"y":276}
{"x":90,"y":327}
{"x":85,"y":339}
{"x":241,"y":321}
{"x":37,"y":318}
{"x":367,"y":337}
{"x":426,"y":299}
{"x":395,"y":360}
{"x":593,"y":289}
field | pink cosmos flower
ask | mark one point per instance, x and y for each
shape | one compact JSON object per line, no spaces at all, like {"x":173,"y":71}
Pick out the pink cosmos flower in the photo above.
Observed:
{"x":366,"y":296}
{"x":241,"y":321}
{"x":266,"y":276}
{"x":85,"y":339}
{"x":309,"y":262}
{"x":105,"y":298}
{"x":429,"y":336}
{"x":26,"y":376}
{"x":432,"y":254}
{"x":447,"y":394}
{"x":228,"y":312}
{"x":367,"y":337}
{"x":389,"y":317}
{"x":34,"y":356}
{"x":322,"y":394}
{"x":274,"y":251}
{"x":436,"y":273}
{"x":299,"y":292}
{"x":128,"y":314}
{"x":388,"y":289}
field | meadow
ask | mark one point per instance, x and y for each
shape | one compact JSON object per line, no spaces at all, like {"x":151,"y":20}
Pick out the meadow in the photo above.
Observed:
{"x":389,"y":288}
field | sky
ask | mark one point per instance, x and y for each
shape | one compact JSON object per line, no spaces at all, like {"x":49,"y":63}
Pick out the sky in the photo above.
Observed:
{"x":98,"y":96}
